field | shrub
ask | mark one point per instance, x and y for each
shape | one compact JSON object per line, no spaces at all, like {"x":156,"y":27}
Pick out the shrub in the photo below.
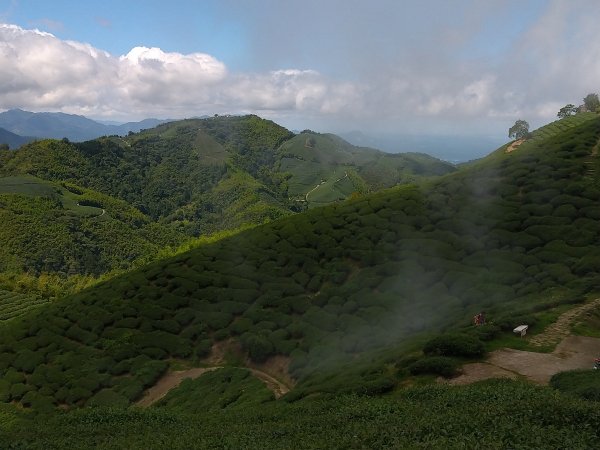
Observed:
{"x":130,"y":388}
{"x":77,"y":394}
{"x":508,"y":323}
{"x":108,"y":397}
{"x":154,"y":353}
{"x":487,"y":332}
{"x":258,"y":347}
{"x":454,"y":345}
{"x":436,"y":365}
{"x":27,"y":361}
{"x":581,"y":383}
{"x":4,"y":391}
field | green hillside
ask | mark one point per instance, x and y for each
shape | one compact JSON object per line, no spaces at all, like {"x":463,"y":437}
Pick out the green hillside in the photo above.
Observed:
{"x":343,"y":291}
{"x":64,"y":229}
{"x":324,"y":168}
{"x":14,"y":304}
{"x":205,"y":175}
{"x":79,"y":210}
{"x":170,"y":172}
{"x":486,"y":415}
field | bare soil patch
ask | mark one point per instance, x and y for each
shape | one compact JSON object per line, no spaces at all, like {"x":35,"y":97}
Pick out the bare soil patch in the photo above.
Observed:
{"x":573,"y":352}
{"x":273,"y":372}
{"x":170,"y":381}
{"x":512,"y":147}
{"x":277,"y":367}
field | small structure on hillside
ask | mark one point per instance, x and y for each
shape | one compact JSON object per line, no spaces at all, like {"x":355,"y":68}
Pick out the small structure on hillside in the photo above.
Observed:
{"x":521,"y":330}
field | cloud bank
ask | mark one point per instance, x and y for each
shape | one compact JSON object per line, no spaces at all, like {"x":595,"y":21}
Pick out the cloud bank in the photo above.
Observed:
{"x":553,"y":62}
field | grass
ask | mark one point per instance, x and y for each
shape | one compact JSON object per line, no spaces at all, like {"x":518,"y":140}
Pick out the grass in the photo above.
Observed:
{"x":588,"y":324}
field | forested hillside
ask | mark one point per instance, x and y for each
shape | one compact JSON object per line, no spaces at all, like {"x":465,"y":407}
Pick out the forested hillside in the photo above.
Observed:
{"x":333,"y":287}
{"x":188,"y":178}
{"x":60,"y":235}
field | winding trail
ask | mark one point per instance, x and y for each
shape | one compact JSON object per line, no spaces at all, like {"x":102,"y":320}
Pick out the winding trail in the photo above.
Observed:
{"x":173,"y":379}
{"x":99,"y":215}
{"x":322,"y":183}
{"x":313,"y":189}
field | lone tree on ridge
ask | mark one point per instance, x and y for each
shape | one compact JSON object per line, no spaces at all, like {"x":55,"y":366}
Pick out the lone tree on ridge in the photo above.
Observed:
{"x":566,"y":111}
{"x":591,"y":102}
{"x":520,"y":130}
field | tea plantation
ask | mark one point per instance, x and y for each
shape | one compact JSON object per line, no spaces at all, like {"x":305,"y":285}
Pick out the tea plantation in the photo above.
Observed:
{"x":332,"y":286}
{"x":496,"y":414}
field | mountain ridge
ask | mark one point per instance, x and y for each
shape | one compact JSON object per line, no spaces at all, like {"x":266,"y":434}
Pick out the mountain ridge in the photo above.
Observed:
{"x":58,"y":125}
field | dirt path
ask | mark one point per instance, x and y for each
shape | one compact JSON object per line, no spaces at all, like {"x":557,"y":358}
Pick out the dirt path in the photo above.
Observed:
{"x":573,"y":352}
{"x":274,"y":385}
{"x":99,"y":215}
{"x":562,"y":327}
{"x":170,"y":381}
{"x":173,"y":379}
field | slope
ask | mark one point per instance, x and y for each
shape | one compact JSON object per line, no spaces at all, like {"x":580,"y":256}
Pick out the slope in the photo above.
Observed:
{"x":204,"y":175}
{"x":168,"y":172}
{"x":324,"y":168}
{"x":486,"y":415}
{"x":334,"y":287}
{"x":12,"y":140}
{"x":64,"y":229}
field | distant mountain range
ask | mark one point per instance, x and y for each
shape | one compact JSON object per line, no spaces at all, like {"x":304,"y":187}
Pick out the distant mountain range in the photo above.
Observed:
{"x":59,"y":125}
{"x":13,"y":140}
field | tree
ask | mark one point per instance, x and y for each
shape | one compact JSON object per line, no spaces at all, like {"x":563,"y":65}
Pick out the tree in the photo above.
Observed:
{"x":520,"y":130}
{"x":566,"y":111}
{"x":591,"y":102}
{"x":4,"y":147}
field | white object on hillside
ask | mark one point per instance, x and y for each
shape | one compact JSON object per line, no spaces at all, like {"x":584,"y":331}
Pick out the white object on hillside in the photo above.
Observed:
{"x":521,"y":329}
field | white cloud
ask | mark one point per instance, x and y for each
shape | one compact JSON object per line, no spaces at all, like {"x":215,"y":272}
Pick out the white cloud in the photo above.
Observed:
{"x":553,"y":62}
{"x":41,"y":72}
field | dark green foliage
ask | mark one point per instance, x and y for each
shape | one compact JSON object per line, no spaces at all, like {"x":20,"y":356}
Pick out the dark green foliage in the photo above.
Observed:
{"x":387,"y":268}
{"x":223,"y":389}
{"x":508,"y":323}
{"x":494,"y":414}
{"x":258,"y":347}
{"x":581,"y":383}
{"x":436,"y":365}
{"x":454,"y":345}
{"x":106,"y":398}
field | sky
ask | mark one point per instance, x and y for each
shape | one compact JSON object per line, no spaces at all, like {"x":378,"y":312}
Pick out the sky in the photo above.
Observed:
{"x":446,"y":67}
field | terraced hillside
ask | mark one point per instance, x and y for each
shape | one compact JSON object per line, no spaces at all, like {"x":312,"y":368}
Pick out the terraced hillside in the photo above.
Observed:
{"x":14,"y":304}
{"x":332,"y":288}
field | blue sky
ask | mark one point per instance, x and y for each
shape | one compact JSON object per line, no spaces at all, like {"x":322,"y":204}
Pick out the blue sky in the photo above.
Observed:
{"x":460,"y":66}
